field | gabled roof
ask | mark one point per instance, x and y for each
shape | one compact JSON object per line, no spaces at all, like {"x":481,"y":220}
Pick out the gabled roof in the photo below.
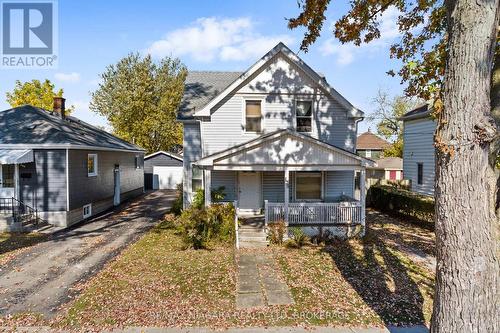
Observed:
{"x":166,"y":153}
{"x":419,"y":112}
{"x":256,"y":151}
{"x":29,"y":127}
{"x":368,"y":140}
{"x":200,"y":88}
{"x":203,"y":109}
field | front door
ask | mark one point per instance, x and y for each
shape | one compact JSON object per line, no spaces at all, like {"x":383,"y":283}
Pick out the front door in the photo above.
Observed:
{"x":116,"y":198}
{"x":249,"y":192}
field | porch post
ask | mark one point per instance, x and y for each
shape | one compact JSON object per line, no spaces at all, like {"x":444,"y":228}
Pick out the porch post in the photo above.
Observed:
{"x":16,"y":181}
{"x":208,"y":185}
{"x":362,"y":185}
{"x":287,"y":193}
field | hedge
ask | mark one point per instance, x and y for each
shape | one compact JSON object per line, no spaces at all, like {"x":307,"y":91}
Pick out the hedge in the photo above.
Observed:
{"x":402,"y":203}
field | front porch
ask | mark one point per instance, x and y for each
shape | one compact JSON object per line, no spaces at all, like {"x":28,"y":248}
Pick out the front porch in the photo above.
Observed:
{"x":290,"y":177}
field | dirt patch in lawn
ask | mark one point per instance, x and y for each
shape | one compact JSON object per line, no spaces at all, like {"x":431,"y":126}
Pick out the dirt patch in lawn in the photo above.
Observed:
{"x":13,"y":244}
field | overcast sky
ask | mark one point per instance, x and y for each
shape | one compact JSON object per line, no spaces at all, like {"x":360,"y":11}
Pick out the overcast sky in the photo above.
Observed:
{"x":205,"y":35}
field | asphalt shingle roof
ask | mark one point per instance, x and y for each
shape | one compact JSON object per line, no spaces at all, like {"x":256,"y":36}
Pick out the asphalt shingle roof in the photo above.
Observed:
{"x":421,"y":111}
{"x":200,"y":88}
{"x":390,"y":163}
{"x":29,"y":125}
{"x":369,"y":140}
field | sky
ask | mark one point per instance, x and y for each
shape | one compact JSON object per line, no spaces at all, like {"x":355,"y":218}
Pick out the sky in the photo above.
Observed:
{"x":205,"y":35}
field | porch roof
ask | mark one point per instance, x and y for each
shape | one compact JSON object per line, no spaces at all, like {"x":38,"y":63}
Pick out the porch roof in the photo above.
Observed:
{"x":284,"y":149}
{"x":16,"y":156}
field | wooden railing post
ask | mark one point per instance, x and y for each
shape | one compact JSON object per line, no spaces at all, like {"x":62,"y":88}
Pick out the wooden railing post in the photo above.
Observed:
{"x":266,"y":213}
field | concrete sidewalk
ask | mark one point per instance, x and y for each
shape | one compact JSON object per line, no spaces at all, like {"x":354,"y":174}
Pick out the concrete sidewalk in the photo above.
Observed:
{"x":412,"y":329}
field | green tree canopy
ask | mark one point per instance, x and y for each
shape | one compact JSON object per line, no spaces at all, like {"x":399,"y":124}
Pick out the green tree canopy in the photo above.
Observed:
{"x":386,"y":116}
{"x":140,"y":98}
{"x":36,"y":93}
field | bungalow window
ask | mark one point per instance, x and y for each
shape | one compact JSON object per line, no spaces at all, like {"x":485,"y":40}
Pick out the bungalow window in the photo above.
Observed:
{"x":197,"y":179}
{"x":137,"y":162}
{"x":7,"y":175}
{"x":92,"y":165}
{"x":253,"y":116}
{"x":420,"y":173}
{"x":303,"y":114}
{"x":308,"y":185}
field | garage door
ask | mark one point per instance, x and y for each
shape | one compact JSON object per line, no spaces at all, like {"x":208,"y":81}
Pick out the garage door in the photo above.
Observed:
{"x":166,"y":177}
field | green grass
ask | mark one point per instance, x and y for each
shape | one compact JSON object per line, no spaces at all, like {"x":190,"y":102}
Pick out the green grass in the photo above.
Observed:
{"x":156,"y":283}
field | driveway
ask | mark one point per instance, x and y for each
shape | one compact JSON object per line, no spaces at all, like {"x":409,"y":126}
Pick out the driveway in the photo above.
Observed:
{"x":43,"y":278}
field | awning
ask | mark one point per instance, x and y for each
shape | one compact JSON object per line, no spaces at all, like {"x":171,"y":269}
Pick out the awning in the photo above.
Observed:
{"x":16,"y":156}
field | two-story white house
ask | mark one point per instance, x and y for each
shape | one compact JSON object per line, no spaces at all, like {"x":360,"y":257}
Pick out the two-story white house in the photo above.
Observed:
{"x":279,"y":139}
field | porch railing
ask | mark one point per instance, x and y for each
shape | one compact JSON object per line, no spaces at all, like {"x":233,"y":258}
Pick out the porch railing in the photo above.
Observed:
{"x":317,"y":213}
{"x":20,"y":212}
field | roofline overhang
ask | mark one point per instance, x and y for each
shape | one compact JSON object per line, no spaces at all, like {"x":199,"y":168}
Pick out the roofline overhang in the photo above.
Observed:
{"x":179,"y":158}
{"x":67,"y":146}
{"x":425,"y":114}
{"x":209,"y":160}
{"x":352,"y":111}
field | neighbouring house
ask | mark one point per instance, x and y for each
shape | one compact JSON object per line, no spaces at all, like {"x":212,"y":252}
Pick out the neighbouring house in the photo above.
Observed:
{"x":61,"y":170}
{"x":279,"y":139}
{"x":162,"y":170}
{"x":372,"y":146}
{"x":388,"y":168}
{"x":418,"y":149}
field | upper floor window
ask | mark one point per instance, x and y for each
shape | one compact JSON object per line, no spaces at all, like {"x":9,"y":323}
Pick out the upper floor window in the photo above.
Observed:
{"x":91,"y":165}
{"x":420,"y":173}
{"x":253,"y":115}
{"x":368,"y":153}
{"x":303,"y":114}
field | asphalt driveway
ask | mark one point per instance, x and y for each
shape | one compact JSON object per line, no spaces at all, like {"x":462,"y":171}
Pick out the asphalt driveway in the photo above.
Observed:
{"x":43,"y":278}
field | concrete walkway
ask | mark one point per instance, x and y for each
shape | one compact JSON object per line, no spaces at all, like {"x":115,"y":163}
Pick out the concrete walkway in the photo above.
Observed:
{"x":42,"y":278}
{"x":258,"y":283}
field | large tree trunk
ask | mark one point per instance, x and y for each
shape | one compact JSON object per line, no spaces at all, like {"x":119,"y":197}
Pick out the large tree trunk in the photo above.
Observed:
{"x":467,"y":275}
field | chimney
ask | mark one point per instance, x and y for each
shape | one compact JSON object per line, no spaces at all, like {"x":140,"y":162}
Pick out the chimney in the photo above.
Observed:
{"x":59,"y":106}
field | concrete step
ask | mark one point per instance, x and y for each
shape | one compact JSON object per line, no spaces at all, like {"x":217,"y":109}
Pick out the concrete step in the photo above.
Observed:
{"x":247,"y":227}
{"x":253,"y":244}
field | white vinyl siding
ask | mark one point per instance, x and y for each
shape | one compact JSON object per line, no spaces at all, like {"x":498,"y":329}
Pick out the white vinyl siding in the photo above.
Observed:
{"x":226,"y":179}
{"x":339,"y":183}
{"x":419,"y":148}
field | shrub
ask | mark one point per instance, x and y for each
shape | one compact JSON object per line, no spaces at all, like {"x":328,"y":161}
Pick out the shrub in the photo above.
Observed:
{"x":199,"y":196}
{"x":299,"y":237}
{"x":402,"y":203}
{"x":276,"y":232}
{"x":178,"y":203}
{"x":198,"y":227}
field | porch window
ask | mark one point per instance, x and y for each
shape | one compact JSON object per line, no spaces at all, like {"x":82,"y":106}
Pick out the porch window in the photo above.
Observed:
{"x":308,"y":185}
{"x":197,"y":179}
{"x":7,"y":175}
{"x":92,"y":165}
{"x":303,"y":114}
{"x":253,"y":116}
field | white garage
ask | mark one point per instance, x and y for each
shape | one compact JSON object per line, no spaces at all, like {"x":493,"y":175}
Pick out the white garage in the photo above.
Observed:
{"x":162,"y":171}
{"x":166,"y":177}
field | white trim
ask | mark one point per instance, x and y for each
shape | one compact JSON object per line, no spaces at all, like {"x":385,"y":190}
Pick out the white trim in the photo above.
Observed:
{"x":67,"y":180}
{"x":89,"y":214}
{"x":96,"y":166}
{"x":164,"y":153}
{"x":282,"y":48}
{"x":65,"y":146}
{"x":262,"y":100}
{"x":211,"y":159}
{"x":282,"y":167}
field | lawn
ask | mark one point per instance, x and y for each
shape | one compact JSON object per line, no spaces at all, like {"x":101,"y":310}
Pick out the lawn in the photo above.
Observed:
{"x":368,"y":282}
{"x":13,"y":244}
